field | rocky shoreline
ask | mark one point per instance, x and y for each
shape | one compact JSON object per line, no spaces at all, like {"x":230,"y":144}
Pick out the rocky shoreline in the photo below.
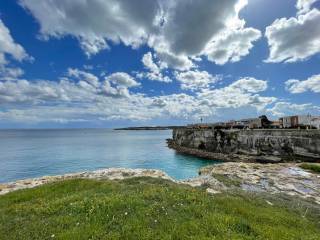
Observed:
{"x":283,"y":178}
{"x":107,"y":174}
{"x":259,"y":145}
{"x":221,"y":156}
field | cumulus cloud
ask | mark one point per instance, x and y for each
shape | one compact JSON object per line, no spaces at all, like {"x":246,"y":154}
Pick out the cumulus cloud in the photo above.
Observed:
{"x":231,"y":45}
{"x":154,"y":70}
{"x":81,"y":96}
{"x":250,"y":85}
{"x":304,"y":5}
{"x":148,"y":62}
{"x":194,"y":80}
{"x":294,"y":39}
{"x":286,"y":109}
{"x":84,"y":76}
{"x":311,"y":84}
{"x":169,"y":60}
{"x":79,"y":86}
{"x":9,"y":47}
{"x":243,"y":92}
{"x":212,"y":29}
{"x":95,"y":22}
{"x":122,"y":79}
{"x":10,"y":73}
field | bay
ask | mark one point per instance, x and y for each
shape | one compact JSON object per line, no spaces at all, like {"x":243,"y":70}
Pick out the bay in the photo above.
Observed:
{"x":35,"y":153}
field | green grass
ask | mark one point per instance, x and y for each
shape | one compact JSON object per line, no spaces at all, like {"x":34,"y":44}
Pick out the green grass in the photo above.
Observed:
{"x":145,"y":208}
{"x":228,"y":181}
{"x":311,"y":166}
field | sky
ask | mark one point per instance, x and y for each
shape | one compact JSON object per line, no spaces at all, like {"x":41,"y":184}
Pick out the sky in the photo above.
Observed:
{"x":116,"y":63}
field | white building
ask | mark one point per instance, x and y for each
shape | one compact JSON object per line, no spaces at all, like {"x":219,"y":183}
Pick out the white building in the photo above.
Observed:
{"x":296,"y":121}
{"x":286,"y":122}
{"x":304,"y":120}
{"x":315,"y":122}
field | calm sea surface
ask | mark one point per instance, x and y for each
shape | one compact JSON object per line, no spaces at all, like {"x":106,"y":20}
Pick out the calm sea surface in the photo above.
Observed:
{"x":35,"y":153}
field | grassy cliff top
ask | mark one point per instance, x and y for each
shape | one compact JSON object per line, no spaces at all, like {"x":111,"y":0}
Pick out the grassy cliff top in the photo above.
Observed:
{"x":147,"y":208}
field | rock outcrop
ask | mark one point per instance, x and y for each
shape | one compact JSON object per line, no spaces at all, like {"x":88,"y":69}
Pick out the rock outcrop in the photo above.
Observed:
{"x":283,"y":178}
{"x":109,"y":174}
{"x":263,"y":145}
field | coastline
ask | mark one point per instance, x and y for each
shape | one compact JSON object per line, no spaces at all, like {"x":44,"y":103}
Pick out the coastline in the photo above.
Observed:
{"x":137,"y":207}
{"x":221,"y":156}
{"x":148,"y":128}
{"x":274,"y":179}
{"x":101,"y":174}
{"x":261,"y":145}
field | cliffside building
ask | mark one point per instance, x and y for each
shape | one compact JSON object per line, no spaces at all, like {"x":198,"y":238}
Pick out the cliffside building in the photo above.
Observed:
{"x":296,"y":121}
{"x":315,"y":122}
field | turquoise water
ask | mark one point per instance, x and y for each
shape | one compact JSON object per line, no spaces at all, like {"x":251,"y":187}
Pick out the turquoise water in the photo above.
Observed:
{"x":35,"y":153}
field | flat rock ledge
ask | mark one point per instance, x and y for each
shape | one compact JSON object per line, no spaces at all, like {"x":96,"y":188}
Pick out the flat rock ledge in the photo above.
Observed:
{"x":108,"y":174}
{"x":282,"y":178}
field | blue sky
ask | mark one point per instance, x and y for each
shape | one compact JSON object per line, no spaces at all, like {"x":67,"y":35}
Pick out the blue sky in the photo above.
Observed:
{"x":118,"y":63}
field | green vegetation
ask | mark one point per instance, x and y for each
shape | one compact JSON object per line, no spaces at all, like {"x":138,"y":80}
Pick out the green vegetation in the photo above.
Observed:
{"x":228,"y":181}
{"x":146,"y":208}
{"x":311,"y":166}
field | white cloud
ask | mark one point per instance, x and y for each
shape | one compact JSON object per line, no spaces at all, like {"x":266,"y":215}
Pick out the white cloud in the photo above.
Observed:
{"x":189,"y":33}
{"x":231,"y":46}
{"x":154,"y":76}
{"x":154,"y":71}
{"x":74,"y":98}
{"x":84,"y":88}
{"x":84,"y":76}
{"x":108,"y":90}
{"x":212,"y":28}
{"x":92,"y":46}
{"x":194,"y":80}
{"x":250,"y":85}
{"x":170,"y":60}
{"x":304,"y":5}
{"x":122,"y":79}
{"x":176,"y":37}
{"x":148,"y":62}
{"x":93,"y":22}
{"x":311,"y":84}
{"x":9,"y":47}
{"x":294,"y":39}
{"x":10,"y":73}
{"x":286,"y":109}
{"x":243,"y":92}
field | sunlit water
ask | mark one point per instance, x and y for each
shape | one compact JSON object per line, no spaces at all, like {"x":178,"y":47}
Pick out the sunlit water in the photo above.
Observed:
{"x":35,"y":153}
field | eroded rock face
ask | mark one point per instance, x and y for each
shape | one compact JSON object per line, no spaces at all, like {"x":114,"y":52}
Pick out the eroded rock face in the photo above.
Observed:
{"x":281,"y":144}
{"x":110,"y":174}
{"x":285,"y":178}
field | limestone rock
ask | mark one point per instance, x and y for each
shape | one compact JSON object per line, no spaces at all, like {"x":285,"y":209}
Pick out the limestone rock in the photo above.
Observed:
{"x":258,"y":145}
{"x":109,"y":173}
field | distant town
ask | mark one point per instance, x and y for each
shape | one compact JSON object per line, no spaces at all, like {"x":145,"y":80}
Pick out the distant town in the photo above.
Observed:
{"x":262,"y":122}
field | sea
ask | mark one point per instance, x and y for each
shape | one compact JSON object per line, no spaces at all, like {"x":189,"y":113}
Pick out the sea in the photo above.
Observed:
{"x":35,"y":153}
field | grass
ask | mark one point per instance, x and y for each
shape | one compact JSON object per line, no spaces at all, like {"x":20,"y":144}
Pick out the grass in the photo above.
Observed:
{"x":145,"y":208}
{"x":314,"y":167}
{"x":228,"y":181}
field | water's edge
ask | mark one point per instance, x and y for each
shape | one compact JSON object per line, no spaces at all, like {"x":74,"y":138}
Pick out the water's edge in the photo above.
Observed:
{"x":282,"y":178}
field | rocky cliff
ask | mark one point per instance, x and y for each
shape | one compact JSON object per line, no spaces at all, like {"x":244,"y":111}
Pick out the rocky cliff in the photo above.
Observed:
{"x":256,"y":145}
